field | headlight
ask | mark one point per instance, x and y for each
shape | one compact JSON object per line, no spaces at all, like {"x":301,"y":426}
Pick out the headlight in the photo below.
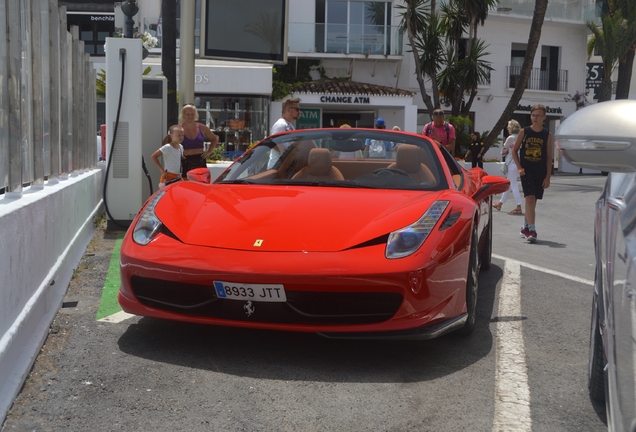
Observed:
{"x":407,"y":240}
{"x":148,"y":224}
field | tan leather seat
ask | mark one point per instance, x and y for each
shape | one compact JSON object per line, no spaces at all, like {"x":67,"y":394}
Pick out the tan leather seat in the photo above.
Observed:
{"x":320,"y":167}
{"x":409,"y":158}
{"x":296,"y":160}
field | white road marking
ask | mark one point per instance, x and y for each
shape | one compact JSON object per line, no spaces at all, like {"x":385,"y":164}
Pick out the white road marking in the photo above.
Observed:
{"x":116,"y":318}
{"x":512,"y":395}
{"x":545,"y":270}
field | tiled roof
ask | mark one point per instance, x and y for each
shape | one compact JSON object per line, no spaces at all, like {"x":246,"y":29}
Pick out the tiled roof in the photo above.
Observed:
{"x":349,"y":87}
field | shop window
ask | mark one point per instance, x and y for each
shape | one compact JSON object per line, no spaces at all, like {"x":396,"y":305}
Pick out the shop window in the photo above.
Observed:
{"x":237,"y":121}
{"x":93,"y":30}
{"x":353,"y":27}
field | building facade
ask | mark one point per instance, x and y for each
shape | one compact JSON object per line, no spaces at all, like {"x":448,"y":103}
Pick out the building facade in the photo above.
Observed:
{"x":361,"y":42}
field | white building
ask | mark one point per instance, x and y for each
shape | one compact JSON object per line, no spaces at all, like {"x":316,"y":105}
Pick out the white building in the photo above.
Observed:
{"x":341,"y":35}
{"x":350,"y":44}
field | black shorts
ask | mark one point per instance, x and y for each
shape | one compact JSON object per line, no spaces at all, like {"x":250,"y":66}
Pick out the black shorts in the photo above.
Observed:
{"x":532,"y":183}
{"x":191,"y":162}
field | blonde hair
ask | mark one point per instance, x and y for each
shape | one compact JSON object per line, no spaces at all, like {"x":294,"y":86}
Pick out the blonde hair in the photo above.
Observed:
{"x":345,"y":125}
{"x":514,"y":126}
{"x":396,"y":128}
{"x":189,"y":106}
{"x":289,"y":101}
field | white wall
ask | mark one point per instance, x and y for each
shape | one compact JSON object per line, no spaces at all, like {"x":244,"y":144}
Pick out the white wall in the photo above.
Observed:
{"x":45,"y":234}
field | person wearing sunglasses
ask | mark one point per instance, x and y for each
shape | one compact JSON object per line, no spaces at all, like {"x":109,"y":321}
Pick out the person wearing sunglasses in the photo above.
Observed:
{"x":291,"y":113}
{"x":440,"y":131}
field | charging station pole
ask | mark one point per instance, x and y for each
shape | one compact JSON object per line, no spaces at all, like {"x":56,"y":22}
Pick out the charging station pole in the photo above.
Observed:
{"x":123,"y":182}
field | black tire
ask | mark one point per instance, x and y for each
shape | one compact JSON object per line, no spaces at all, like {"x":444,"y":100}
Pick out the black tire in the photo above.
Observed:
{"x":596,"y":376}
{"x":472,"y":285}
{"x":485,"y":257}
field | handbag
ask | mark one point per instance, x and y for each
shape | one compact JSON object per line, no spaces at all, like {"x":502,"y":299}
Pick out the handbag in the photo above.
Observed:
{"x":504,"y":169}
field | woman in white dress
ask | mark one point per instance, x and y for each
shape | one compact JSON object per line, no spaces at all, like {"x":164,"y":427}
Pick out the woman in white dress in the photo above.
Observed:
{"x":513,"y":128}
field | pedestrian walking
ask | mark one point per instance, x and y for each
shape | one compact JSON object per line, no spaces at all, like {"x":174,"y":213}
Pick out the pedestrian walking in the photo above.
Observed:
{"x":532,"y":154}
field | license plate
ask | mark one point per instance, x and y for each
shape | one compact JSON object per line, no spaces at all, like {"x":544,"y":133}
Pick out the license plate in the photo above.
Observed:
{"x":254,"y":292}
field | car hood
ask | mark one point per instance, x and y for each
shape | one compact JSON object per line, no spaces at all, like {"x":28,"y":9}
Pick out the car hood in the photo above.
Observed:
{"x":286,"y":218}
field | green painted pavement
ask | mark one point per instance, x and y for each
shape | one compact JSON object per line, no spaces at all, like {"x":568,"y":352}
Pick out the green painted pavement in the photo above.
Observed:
{"x":108,"y":304}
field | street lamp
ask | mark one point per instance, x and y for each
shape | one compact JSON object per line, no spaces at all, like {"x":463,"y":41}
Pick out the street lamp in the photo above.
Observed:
{"x":130,"y":9}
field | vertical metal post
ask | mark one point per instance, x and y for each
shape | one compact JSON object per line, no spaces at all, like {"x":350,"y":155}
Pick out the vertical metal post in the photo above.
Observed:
{"x":92,"y":116}
{"x":54,"y":87}
{"x":74,"y":94}
{"x":46,"y":81}
{"x":89,"y":134}
{"x":69,"y":105}
{"x":186,"y":53}
{"x":37,"y":148}
{"x":14,"y":77}
{"x":26,"y":119}
{"x":64,"y":101}
{"x":4,"y":98}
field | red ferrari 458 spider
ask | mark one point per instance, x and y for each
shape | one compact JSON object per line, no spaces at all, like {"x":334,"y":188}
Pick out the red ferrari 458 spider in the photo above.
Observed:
{"x":349,"y":233}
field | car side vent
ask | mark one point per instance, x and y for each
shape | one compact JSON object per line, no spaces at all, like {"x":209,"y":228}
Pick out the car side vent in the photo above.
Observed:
{"x":450,"y":221}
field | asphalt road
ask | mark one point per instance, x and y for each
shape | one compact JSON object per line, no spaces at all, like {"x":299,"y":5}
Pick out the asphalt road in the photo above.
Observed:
{"x":524,"y":368}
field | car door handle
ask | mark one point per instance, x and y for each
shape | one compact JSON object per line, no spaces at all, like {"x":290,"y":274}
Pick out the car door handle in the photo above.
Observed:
{"x":615,"y":204}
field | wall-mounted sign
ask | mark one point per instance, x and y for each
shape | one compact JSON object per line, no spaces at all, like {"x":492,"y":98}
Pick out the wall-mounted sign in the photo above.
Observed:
{"x":594,"y":75}
{"x":310,"y":118}
{"x":549,"y":110}
{"x":345,"y":99}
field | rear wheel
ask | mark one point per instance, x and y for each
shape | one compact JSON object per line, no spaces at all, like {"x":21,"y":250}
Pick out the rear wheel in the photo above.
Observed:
{"x":472,"y":283}
{"x":486,"y":252}
{"x":596,"y":375}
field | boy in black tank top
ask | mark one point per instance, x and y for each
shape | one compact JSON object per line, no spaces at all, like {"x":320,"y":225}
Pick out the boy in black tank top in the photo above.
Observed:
{"x":532,"y":154}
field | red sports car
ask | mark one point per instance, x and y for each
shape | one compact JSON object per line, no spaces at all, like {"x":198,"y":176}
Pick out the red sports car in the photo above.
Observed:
{"x":349,"y":233}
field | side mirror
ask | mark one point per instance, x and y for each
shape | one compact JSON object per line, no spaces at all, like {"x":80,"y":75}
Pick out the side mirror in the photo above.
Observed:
{"x":201,"y":175}
{"x":491,"y":185}
{"x":600,"y":136}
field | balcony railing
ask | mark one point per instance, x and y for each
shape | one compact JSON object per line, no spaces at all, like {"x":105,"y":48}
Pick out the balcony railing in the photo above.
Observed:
{"x":345,"y":39}
{"x":551,"y":79}
{"x":566,"y":10}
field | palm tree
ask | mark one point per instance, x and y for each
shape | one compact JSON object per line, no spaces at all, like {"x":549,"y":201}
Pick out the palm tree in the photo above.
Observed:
{"x":421,"y":25}
{"x":533,"y":42}
{"x":626,"y":63}
{"x":612,"y":41}
{"x":463,"y":72}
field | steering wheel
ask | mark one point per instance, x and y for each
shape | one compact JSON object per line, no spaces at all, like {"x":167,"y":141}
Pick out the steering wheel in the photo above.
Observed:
{"x":383,"y":172}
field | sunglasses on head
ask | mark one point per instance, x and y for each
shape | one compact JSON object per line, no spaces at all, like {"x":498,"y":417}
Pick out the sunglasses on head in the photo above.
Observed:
{"x":438,"y":113}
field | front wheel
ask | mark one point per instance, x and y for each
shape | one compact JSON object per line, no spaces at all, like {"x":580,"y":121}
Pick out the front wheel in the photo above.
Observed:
{"x":472,"y":283}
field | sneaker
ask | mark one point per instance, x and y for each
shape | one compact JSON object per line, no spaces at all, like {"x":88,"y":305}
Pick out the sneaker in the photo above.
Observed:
{"x":532,"y":236}
{"x":524,"y":233}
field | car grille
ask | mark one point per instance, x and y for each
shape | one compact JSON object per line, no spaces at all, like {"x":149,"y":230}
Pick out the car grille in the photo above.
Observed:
{"x":302,"y":307}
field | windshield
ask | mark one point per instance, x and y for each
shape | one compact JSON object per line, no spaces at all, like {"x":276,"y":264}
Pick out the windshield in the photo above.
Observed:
{"x":364,"y":158}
